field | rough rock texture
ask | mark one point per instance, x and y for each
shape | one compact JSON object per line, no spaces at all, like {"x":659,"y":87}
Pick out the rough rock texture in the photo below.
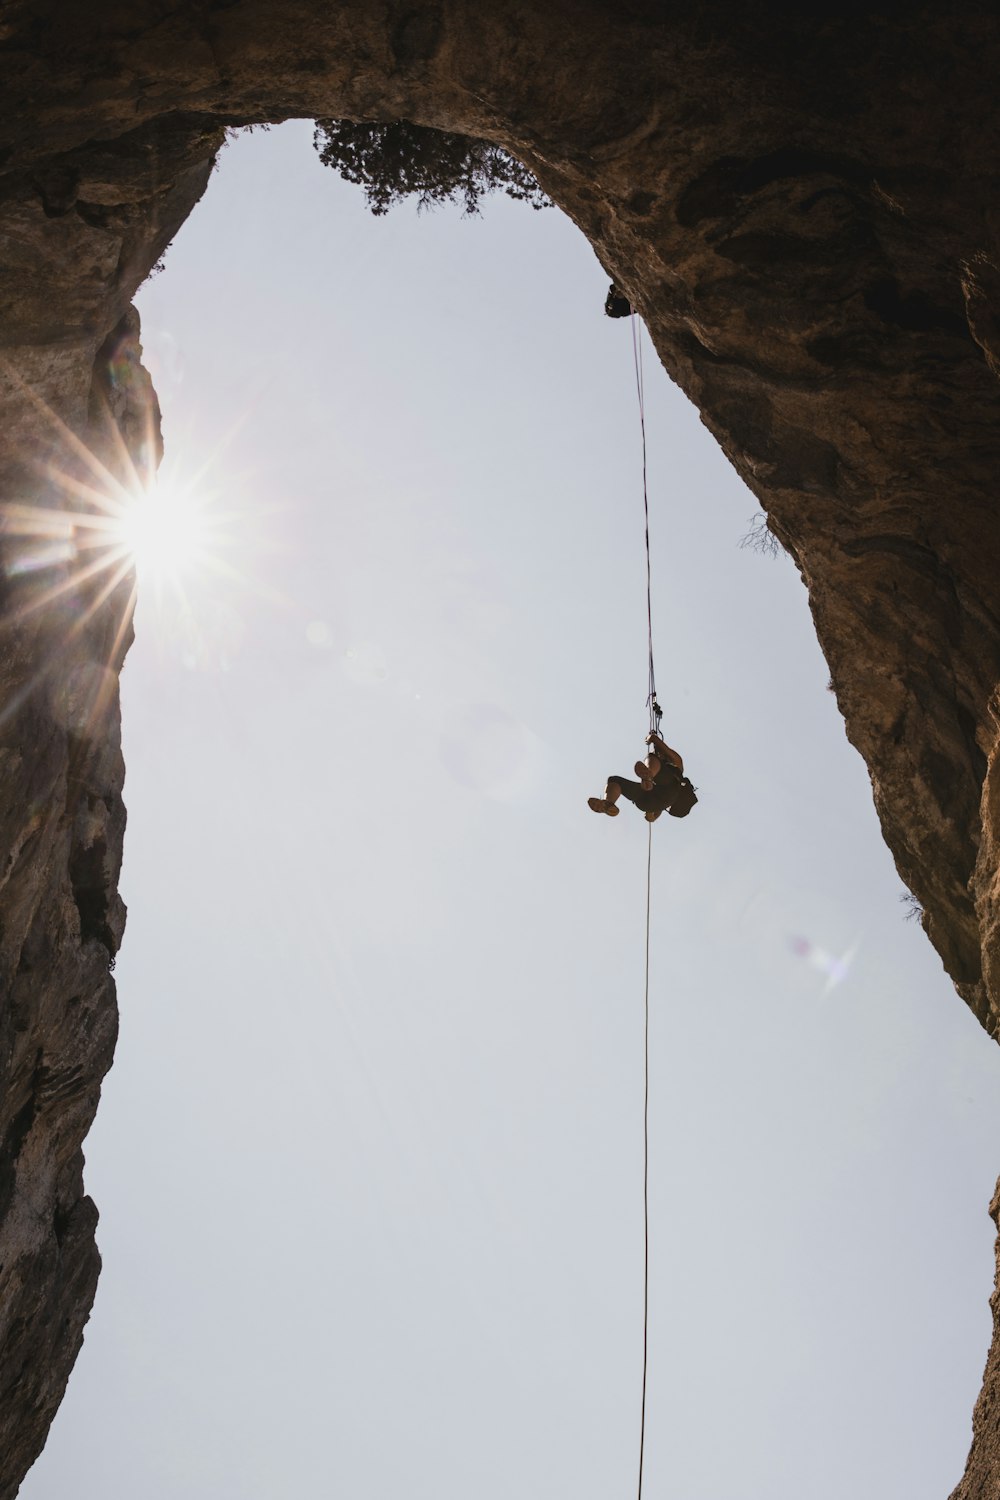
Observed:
{"x":805,"y":207}
{"x":62,"y":822}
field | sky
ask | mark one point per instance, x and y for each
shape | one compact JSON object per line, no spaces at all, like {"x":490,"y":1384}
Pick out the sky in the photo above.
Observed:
{"x":369,"y":1162}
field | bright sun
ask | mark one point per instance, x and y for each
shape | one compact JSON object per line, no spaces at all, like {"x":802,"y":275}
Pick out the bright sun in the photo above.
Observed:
{"x":100,"y":538}
{"x":165,"y":530}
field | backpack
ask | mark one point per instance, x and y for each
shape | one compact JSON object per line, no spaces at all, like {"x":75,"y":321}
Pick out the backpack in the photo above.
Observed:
{"x":684,"y":799}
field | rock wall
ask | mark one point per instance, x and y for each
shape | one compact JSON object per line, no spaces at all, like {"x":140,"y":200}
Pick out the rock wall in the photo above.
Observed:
{"x":78,"y":412}
{"x":61,"y":918}
{"x":805,"y":209}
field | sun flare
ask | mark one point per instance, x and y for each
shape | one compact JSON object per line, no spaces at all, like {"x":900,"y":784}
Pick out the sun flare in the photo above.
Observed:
{"x":165,"y":531}
{"x":102,"y":529}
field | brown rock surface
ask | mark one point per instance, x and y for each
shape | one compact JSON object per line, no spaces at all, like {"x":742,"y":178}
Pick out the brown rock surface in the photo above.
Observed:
{"x":804,"y":208}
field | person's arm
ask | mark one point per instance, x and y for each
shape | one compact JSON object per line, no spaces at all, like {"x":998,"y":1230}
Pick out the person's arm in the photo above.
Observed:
{"x":664,"y":752}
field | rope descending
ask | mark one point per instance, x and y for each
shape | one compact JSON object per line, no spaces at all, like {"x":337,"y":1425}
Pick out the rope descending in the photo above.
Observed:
{"x":655,"y":714}
{"x":645,"y":1169}
{"x":655,"y":711}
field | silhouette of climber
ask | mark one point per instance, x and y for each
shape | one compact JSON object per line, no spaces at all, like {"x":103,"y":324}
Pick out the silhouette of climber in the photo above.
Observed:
{"x":616,"y":304}
{"x":662,"y":786}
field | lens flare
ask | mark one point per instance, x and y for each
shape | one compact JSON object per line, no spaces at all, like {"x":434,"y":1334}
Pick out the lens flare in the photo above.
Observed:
{"x":836,"y":969}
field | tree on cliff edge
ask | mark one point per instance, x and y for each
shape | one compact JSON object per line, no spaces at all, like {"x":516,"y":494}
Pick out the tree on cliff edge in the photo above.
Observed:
{"x":396,"y":161}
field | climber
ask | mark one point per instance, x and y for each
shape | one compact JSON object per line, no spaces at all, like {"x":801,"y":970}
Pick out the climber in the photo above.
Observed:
{"x":616,"y":304}
{"x":662,"y":786}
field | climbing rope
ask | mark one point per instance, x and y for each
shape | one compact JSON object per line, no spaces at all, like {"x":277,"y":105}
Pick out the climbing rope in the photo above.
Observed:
{"x":655,"y":712}
{"x":645,"y":1167}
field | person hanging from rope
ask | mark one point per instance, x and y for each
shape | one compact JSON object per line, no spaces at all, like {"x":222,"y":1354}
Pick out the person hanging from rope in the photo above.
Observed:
{"x":616,"y":304}
{"x":662,"y":786}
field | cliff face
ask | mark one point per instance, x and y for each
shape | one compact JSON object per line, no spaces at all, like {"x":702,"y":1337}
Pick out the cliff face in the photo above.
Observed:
{"x":78,"y":412}
{"x":61,"y":918}
{"x":806,"y":213}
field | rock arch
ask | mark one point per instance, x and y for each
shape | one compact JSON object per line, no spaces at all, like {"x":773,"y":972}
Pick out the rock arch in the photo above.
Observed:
{"x":804,"y":210}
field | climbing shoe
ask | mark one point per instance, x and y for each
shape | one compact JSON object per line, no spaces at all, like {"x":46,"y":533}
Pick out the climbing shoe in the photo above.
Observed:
{"x":599,"y":805}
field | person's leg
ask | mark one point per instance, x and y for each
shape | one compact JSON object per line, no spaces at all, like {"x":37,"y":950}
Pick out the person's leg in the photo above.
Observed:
{"x":646,"y":770}
{"x":606,"y":804}
{"x":632,"y":791}
{"x":618,"y":786}
{"x":659,"y":799}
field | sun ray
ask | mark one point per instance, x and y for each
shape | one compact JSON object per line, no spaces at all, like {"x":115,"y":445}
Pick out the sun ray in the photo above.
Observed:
{"x":103,"y":513}
{"x":102,"y":697}
{"x":123,"y":624}
{"x":111,"y":504}
{"x":106,"y":590}
{"x":76,"y":444}
{"x":68,"y":585}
